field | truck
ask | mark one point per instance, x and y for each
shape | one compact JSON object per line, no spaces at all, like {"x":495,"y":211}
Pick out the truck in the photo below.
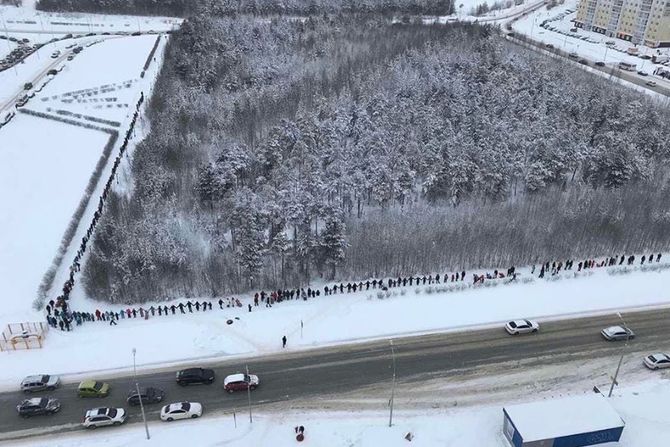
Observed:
{"x":660,"y":58}
{"x":626,"y":66}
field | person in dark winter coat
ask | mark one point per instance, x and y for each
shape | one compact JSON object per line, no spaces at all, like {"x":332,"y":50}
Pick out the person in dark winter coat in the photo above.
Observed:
{"x":283,"y":341}
{"x":197,"y":306}
{"x":658,"y":257}
{"x":644,"y":258}
{"x":173,"y":308}
{"x":249,"y":307}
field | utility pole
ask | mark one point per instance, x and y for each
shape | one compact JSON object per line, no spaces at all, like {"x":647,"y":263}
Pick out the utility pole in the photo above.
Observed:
{"x":392,"y":385}
{"x":616,"y":374}
{"x":251,"y":420}
{"x":137,"y":388}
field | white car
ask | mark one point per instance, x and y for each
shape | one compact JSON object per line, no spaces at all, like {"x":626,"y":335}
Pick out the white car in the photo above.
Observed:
{"x":651,"y":83}
{"x":102,"y":417}
{"x":40,"y":383}
{"x":614,"y":333}
{"x":657,"y":361}
{"x":181,"y":410}
{"x":517,"y":327}
{"x":55,"y":54}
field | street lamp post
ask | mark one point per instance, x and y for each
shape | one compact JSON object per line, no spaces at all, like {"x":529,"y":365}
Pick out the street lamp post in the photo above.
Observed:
{"x":392,"y":385}
{"x":251,"y":421}
{"x":139,"y":396}
{"x":616,"y":373}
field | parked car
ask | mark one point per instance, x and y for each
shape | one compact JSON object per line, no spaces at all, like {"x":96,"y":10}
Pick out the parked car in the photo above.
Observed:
{"x":93,"y":388}
{"x":645,"y":57}
{"x":651,"y":83}
{"x":40,"y":383}
{"x":78,"y":50}
{"x":136,"y":33}
{"x":600,"y":64}
{"x":102,"y":417}
{"x":517,"y":327}
{"x":149,"y":395}
{"x":584,"y":62}
{"x":642,"y":73}
{"x":55,"y":54}
{"x":193,"y":376}
{"x":27,"y":86}
{"x":38,"y":406}
{"x":181,"y":410}
{"x":70,"y":57}
{"x":550,"y":46}
{"x":52,"y":72}
{"x":657,"y":361}
{"x":614,"y":333}
{"x":573,"y":55}
{"x":22,"y":101}
{"x":240,"y":382}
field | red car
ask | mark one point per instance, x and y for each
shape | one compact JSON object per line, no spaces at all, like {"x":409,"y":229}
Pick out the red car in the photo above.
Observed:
{"x":240,"y":382}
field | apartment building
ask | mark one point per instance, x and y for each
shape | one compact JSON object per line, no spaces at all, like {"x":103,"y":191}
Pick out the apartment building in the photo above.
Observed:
{"x":644,"y":22}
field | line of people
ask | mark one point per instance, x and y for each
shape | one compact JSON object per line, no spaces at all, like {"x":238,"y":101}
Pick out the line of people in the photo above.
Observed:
{"x":268,"y":299}
{"x":62,"y":321}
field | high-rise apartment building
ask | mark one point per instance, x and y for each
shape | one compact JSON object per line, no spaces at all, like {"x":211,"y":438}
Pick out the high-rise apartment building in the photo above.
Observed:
{"x":644,"y":22}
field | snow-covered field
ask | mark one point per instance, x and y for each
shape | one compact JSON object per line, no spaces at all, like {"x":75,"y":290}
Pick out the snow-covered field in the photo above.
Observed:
{"x":44,"y":169}
{"x":331,"y":320}
{"x":643,"y":408}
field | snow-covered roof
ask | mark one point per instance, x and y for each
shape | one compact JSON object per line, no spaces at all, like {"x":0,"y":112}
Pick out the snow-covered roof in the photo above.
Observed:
{"x":562,"y":417}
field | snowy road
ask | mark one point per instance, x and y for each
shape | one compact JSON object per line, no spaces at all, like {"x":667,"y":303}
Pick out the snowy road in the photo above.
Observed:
{"x":295,"y":376}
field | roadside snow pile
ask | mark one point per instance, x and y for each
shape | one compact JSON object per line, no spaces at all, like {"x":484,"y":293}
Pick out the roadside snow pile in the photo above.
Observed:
{"x":642,"y":407}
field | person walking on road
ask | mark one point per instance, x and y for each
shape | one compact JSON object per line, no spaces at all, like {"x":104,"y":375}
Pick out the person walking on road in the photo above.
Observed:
{"x":283,"y":341}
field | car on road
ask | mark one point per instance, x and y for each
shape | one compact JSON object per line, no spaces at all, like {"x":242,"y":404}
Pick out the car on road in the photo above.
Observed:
{"x":102,"y":417}
{"x":93,"y":388}
{"x":78,"y":50}
{"x":573,"y":55}
{"x":584,"y":62}
{"x":517,"y":327}
{"x":615,"y":333}
{"x":600,"y":64}
{"x":148,"y":395}
{"x":657,"y":361}
{"x":651,"y":83}
{"x":40,"y":382}
{"x":642,"y":73}
{"x":70,"y":57}
{"x":550,"y":46}
{"x":181,"y":410}
{"x":38,"y":406}
{"x":193,"y":376}
{"x":55,"y":54}
{"x":240,"y":382}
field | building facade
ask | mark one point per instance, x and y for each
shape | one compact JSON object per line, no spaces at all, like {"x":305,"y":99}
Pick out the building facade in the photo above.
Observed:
{"x":643,"y":22}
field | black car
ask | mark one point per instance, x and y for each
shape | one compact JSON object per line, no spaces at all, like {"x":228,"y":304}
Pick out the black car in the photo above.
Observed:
{"x":148,"y":395}
{"x":195,"y":376}
{"x":38,"y":406}
{"x":77,"y":50}
{"x":600,"y":64}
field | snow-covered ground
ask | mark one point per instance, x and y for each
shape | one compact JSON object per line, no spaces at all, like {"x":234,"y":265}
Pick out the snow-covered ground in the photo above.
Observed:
{"x":45,"y":165}
{"x":331,"y":320}
{"x":44,"y":169}
{"x":26,"y":19}
{"x":643,"y":408}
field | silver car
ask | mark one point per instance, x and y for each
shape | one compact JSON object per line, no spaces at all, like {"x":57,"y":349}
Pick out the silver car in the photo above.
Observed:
{"x":615,"y":333}
{"x":657,"y":361}
{"x":40,"y":383}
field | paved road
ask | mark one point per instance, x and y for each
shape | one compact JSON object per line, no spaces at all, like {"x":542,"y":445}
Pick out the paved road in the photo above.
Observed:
{"x":301,"y":375}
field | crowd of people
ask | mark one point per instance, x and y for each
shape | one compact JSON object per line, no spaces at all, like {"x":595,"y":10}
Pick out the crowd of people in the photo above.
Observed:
{"x":58,"y":313}
{"x":59,"y":316}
